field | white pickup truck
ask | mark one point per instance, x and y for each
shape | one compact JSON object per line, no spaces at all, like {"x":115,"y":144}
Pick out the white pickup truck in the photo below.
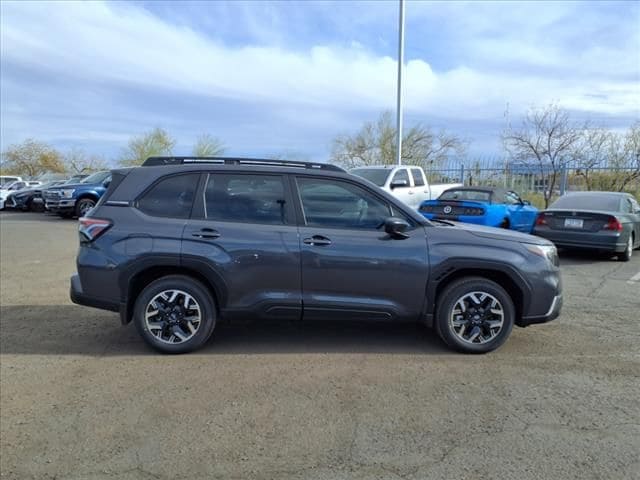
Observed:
{"x":406,"y":182}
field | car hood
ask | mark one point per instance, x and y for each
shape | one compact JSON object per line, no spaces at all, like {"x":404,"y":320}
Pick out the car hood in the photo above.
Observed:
{"x":500,"y":234}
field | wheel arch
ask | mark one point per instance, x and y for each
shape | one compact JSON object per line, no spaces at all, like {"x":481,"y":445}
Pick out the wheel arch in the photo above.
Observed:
{"x":137,"y":280}
{"x":511,"y":281}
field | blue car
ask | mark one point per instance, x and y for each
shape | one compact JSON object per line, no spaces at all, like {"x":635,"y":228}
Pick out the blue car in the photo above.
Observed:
{"x":493,"y":207}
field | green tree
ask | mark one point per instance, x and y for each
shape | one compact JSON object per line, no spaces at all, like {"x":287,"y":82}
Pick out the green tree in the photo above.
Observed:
{"x":32,"y":158}
{"x":208,"y":146}
{"x":157,"y":142}
{"x":375,"y":144}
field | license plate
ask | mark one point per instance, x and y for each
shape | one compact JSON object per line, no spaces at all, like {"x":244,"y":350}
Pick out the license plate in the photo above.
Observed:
{"x":573,"y":222}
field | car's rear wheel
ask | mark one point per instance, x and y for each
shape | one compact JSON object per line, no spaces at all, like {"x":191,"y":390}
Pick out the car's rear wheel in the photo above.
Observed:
{"x":474,"y":315}
{"x":628,"y":252}
{"x":175,"y":314}
{"x":84,"y":205}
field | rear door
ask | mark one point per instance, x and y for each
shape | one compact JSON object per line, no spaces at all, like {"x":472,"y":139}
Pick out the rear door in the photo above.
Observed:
{"x":421,"y":190}
{"x":351,"y":269}
{"x":243,"y":231}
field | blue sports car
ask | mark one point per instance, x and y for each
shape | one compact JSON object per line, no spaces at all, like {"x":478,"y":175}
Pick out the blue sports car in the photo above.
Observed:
{"x":494,"y":207}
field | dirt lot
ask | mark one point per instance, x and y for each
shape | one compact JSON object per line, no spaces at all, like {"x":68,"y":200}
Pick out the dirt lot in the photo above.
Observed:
{"x":82,"y":398}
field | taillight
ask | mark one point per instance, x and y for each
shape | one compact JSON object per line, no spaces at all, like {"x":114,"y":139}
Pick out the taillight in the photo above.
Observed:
{"x":92,"y":228}
{"x":613,"y":224}
{"x":541,"y":219}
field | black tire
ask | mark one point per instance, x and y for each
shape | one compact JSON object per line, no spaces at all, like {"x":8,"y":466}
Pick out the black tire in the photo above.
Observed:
{"x":193,"y":288}
{"x":447,"y":302}
{"x":505,"y":224}
{"x":628,"y":253}
{"x":83,"y":206}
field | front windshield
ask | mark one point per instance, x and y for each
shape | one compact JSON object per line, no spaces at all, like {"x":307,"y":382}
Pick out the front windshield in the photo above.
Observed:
{"x":97,"y":177}
{"x":461,"y":195}
{"x":374,"y":175}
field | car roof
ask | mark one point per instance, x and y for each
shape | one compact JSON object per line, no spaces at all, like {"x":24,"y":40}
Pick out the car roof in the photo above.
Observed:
{"x":597,"y":193}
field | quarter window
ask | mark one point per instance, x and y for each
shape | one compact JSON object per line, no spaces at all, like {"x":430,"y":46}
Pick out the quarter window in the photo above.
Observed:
{"x":171,"y":197}
{"x":245,"y":198}
{"x":330,"y":203}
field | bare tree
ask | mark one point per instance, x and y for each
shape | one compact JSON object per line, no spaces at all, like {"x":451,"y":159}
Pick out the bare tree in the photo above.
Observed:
{"x":79,"y":162}
{"x":154,"y":143}
{"x":208,"y":146}
{"x":591,"y":151}
{"x":375,"y":144}
{"x":545,"y":142}
{"x":32,"y":158}
{"x":624,"y":157}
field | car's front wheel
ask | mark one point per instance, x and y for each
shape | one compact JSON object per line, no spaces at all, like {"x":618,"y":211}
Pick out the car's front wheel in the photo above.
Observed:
{"x":474,"y":315}
{"x":175,"y":314}
{"x":84,"y":205}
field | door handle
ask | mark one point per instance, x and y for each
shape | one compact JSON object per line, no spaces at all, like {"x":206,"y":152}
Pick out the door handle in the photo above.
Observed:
{"x":317,"y":240}
{"x":208,"y":233}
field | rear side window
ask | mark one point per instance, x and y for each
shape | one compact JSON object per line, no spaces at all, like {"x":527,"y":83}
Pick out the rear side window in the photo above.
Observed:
{"x":418,"y":181}
{"x":171,"y":197}
{"x":245,"y":198}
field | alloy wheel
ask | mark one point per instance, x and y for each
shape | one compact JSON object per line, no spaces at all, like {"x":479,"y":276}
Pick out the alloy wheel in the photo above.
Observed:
{"x":477,"y":317}
{"x":173,"y":316}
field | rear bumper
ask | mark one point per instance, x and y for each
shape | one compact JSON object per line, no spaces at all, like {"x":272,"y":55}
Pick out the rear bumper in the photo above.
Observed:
{"x":80,"y":298}
{"x":609,"y":241}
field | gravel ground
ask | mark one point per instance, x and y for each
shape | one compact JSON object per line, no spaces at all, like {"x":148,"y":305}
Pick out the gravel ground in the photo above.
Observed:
{"x":82,"y":398}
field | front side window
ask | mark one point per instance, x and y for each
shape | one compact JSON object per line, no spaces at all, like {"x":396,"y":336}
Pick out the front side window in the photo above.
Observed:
{"x":416,"y":173}
{"x":171,"y":197}
{"x":400,"y":176}
{"x":337,"y":204}
{"x":245,"y":198}
{"x":511,"y":198}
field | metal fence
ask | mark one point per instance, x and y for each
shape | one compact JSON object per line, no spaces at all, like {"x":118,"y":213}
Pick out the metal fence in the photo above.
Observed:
{"x":528,"y":179}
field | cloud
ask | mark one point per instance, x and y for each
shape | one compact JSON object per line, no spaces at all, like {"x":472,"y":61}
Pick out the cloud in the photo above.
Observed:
{"x":93,"y":52}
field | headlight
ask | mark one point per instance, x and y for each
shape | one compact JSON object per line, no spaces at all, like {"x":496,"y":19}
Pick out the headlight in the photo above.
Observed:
{"x":547,"y":251}
{"x":67,"y":193}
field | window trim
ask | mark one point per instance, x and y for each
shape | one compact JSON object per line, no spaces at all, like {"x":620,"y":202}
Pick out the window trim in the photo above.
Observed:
{"x":199,"y":210}
{"x":136,"y":201}
{"x":407,"y":172}
{"x":394,"y":210}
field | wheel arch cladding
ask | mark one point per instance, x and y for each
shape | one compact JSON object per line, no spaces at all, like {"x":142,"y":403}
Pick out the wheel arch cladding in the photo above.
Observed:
{"x":144,"y":277}
{"x":502,"y":278}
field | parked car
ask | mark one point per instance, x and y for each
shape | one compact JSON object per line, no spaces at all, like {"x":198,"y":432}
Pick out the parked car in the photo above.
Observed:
{"x":407,"y":183}
{"x":605,"y":221}
{"x":178,"y":245}
{"x":76,"y":199}
{"x":29,"y":198}
{"x":5,"y":180}
{"x":493,"y":207}
{"x":9,"y":188}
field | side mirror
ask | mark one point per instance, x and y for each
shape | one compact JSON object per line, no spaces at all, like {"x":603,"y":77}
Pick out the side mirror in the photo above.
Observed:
{"x":396,"y":228}
{"x":399,"y":184}
{"x":107,"y":183}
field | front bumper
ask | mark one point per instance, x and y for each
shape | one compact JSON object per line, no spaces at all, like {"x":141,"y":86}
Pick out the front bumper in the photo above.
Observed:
{"x":552,"y":313}
{"x":62,"y":205}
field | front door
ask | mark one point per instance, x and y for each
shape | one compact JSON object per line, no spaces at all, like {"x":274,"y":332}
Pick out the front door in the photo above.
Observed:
{"x":243,"y":227}
{"x":351,"y":269}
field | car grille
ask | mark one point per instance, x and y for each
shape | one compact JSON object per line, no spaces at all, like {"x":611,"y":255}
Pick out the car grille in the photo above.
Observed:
{"x":51,"y":195}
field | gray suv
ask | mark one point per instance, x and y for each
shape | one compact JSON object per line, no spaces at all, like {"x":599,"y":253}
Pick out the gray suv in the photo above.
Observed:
{"x":183,"y":243}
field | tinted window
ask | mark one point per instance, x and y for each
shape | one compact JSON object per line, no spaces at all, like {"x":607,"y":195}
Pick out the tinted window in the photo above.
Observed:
{"x":332,"y":203}
{"x":588,"y":201}
{"x":473,"y":195}
{"x":401,"y":175}
{"x":170,"y":197}
{"x":416,"y":173}
{"x":374,"y":175}
{"x":245,"y":198}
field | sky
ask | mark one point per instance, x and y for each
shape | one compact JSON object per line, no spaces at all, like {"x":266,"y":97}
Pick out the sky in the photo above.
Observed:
{"x":284,"y":78}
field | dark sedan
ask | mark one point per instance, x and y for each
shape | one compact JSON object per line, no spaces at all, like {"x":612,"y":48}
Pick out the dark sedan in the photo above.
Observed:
{"x":605,"y":221}
{"x":29,"y":198}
